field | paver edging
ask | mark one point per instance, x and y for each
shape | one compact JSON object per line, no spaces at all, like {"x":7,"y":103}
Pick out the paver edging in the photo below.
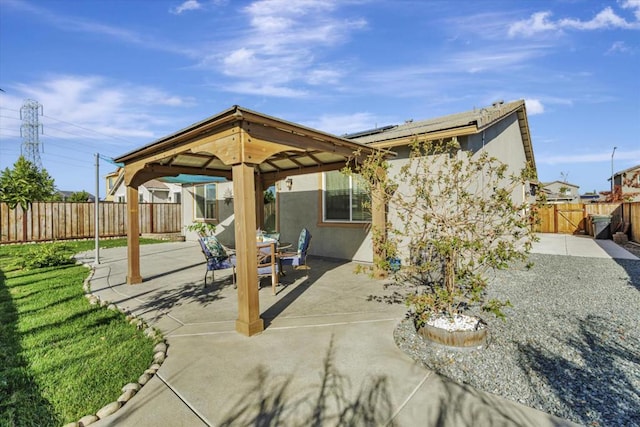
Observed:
{"x":128,"y":390}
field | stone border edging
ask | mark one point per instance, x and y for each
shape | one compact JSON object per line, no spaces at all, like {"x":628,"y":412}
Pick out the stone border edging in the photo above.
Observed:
{"x":128,"y":390}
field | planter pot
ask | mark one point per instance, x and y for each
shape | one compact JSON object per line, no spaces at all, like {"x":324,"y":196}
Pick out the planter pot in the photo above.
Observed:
{"x":461,"y":339}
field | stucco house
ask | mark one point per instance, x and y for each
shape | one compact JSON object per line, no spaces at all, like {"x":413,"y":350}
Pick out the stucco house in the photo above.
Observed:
{"x":152,"y":191}
{"x":627,"y":182}
{"x":255,"y":152}
{"x":331,"y":205}
{"x":561,"y":192}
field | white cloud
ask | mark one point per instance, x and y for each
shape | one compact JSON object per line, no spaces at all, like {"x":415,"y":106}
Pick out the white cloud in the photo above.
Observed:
{"x":618,"y":47}
{"x":344,"y":124}
{"x":98,"y":107}
{"x":262,"y":89}
{"x":538,"y":23}
{"x":541,"y":22}
{"x":602,"y":156}
{"x":534,"y":106}
{"x":186,"y":6}
{"x":282,"y":47}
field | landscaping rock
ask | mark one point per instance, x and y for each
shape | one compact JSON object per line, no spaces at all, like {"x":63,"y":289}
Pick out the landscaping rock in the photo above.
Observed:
{"x":93,"y":300}
{"x":155,"y":366}
{"x":161,"y":346}
{"x":131,"y":386}
{"x":150,"y":332}
{"x":150,"y":371}
{"x":112,"y":307}
{"x":87,"y":420}
{"x":109,"y":409}
{"x":159,"y":357}
{"x":127,"y":395}
{"x":104,"y":303}
{"x":144,"y":378}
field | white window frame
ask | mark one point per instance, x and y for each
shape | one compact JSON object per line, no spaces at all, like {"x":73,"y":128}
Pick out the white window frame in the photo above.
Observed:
{"x":195,"y":201}
{"x":324,"y":204}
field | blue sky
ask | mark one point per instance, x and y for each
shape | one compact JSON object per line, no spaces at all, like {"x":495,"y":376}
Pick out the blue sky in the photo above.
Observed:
{"x":114,"y":75}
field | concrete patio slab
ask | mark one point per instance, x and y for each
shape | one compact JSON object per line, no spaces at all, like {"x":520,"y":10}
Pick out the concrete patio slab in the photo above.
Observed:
{"x":327,"y":349}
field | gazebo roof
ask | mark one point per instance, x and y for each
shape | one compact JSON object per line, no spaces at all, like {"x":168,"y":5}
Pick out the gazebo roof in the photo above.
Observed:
{"x":276,"y":147}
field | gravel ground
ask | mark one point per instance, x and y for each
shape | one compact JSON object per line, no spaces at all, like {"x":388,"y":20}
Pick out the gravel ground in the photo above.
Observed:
{"x":570,"y":345}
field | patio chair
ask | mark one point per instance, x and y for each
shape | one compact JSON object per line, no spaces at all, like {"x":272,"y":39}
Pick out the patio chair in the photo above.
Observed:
{"x":298,"y":259}
{"x":273,"y":236}
{"x":216,"y":256}
{"x":267,"y":263}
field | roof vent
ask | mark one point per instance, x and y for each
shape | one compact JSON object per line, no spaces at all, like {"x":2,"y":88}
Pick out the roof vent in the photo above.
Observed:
{"x":406,"y":122}
{"x":498,"y":103}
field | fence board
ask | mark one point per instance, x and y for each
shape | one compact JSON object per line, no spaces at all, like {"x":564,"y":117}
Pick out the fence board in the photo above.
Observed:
{"x":632,"y":216}
{"x":571,"y":218}
{"x":70,"y":220}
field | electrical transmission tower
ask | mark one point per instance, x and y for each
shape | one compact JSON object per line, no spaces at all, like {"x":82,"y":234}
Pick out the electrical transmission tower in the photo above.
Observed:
{"x":30,"y":131}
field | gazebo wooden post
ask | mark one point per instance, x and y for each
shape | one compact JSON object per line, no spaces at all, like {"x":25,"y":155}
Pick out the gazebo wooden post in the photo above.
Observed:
{"x":133,"y":239}
{"x":244,"y":207}
{"x":259,"y":203}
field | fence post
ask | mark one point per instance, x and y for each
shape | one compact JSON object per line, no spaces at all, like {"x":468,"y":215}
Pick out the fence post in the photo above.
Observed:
{"x":24,"y":225}
{"x":151,"y":225}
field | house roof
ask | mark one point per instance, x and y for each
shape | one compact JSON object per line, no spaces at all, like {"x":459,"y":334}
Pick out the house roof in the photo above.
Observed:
{"x":545,"y":184}
{"x":276,"y":147}
{"x":155,"y":184}
{"x":459,"y":124}
{"x":632,"y":168}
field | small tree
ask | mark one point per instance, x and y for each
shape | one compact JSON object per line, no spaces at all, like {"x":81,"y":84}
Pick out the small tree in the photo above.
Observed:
{"x":79,"y":196}
{"x":25,"y":184}
{"x":454,"y":220}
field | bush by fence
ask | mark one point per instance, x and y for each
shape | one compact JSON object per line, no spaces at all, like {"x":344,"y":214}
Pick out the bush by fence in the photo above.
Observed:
{"x":67,"y":220}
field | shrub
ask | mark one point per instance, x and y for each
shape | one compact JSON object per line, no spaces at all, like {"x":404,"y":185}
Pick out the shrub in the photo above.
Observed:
{"x":454,"y":220}
{"x":46,"y":255}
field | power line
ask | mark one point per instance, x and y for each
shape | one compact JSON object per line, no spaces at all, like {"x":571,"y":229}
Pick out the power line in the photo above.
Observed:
{"x":70,"y":124}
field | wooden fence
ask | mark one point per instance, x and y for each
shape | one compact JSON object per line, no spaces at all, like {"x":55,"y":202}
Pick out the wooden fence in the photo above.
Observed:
{"x":631,"y":215}
{"x":68,"y":220}
{"x":572,"y":218}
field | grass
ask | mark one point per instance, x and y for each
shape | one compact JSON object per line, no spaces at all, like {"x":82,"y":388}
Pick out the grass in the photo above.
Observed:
{"x":60,"y":358}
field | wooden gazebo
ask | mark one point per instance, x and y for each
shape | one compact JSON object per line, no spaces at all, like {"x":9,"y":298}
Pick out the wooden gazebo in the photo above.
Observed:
{"x":254,"y":151}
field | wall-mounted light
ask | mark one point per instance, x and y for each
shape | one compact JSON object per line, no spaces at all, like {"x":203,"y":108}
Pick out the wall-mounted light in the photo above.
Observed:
{"x":289,"y":183}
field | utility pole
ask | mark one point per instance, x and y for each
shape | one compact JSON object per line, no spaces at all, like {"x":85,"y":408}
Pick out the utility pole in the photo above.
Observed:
{"x":612,"y":186}
{"x":97,"y":212}
{"x":30,"y":131}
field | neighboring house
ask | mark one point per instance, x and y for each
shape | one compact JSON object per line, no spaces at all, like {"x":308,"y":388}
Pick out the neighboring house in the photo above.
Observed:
{"x":627,"y":182}
{"x":590,"y":198}
{"x":153,"y":191}
{"x":332,"y":205}
{"x":560,"y":192}
{"x":112,"y":180}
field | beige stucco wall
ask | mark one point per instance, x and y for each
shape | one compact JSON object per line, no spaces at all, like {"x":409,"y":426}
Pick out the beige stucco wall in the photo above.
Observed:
{"x":300,"y":207}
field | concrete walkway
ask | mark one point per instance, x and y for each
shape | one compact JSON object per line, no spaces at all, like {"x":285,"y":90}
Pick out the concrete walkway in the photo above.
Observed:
{"x":581,"y":246}
{"x":326,"y":357}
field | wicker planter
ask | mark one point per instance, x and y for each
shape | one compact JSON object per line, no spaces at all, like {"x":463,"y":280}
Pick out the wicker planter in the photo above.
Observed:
{"x":464,"y":339}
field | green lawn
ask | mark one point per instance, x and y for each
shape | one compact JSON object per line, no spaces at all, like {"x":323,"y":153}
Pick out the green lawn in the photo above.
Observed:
{"x":60,"y":358}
